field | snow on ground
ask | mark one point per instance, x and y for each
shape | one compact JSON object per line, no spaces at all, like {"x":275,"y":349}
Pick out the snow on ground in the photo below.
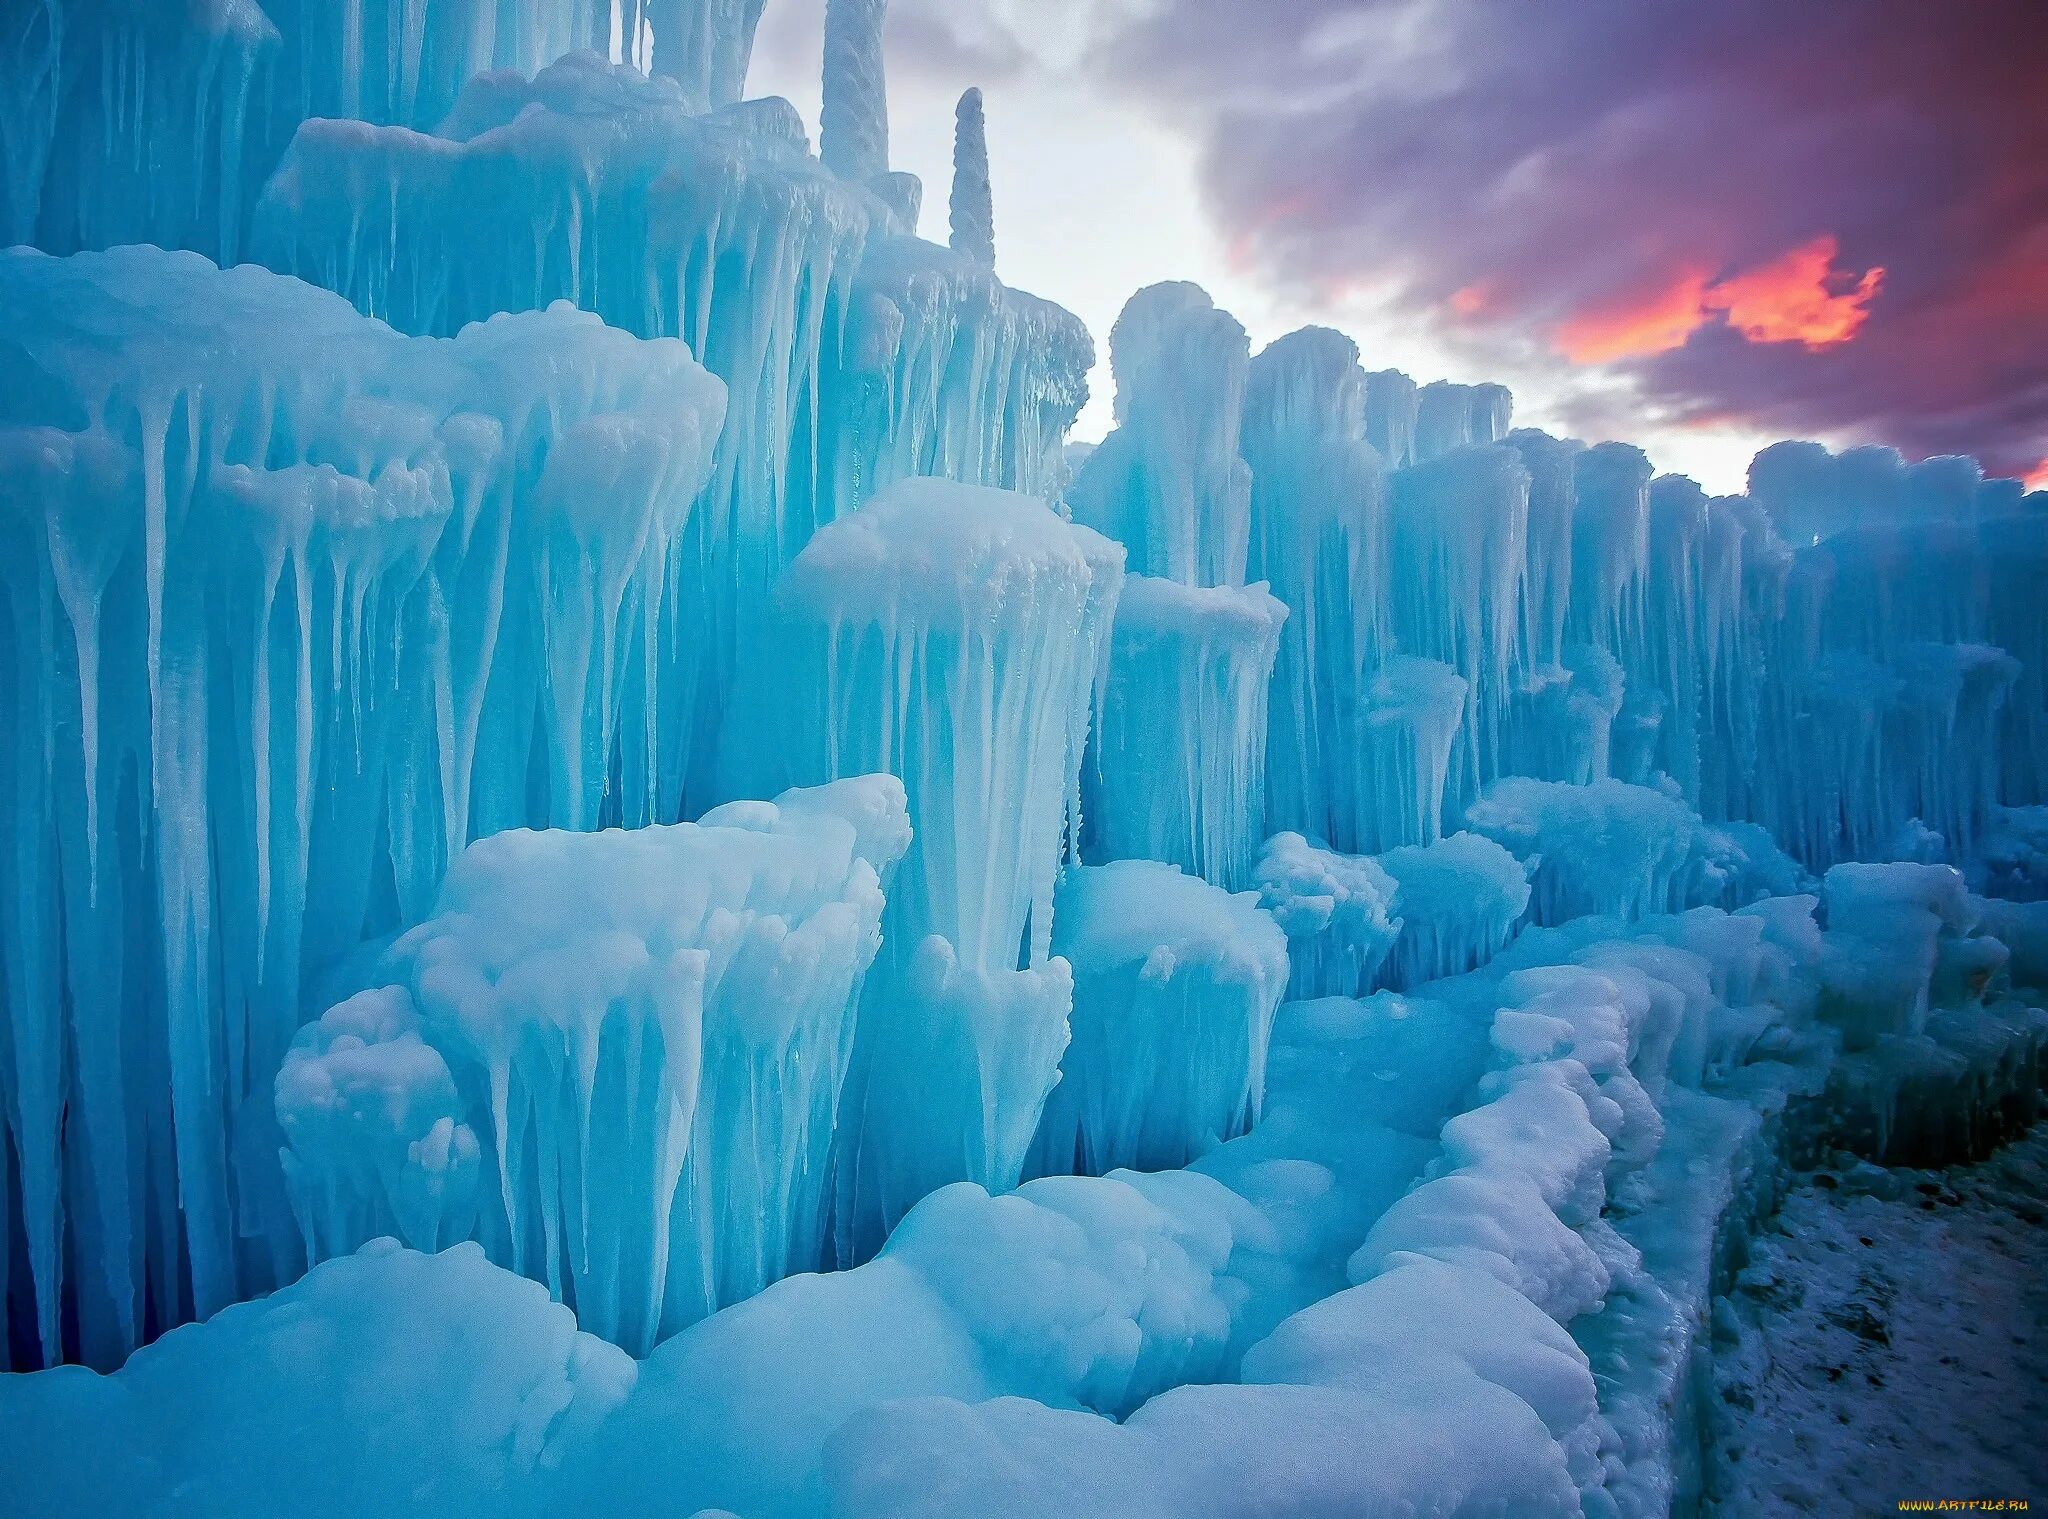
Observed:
{"x":1892,"y":1342}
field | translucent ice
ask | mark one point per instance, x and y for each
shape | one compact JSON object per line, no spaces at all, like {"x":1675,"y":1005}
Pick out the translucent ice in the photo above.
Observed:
{"x":1319,"y":539}
{"x":1178,"y":770}
{"x":1168,"y":483}
{"x":294,"y":607}
{"x":1175,"y":986}
{"x":946,"y":634}
{"x":1460,"y":901}
{"x":1337,"y":912}
{"x":645,"y":1031}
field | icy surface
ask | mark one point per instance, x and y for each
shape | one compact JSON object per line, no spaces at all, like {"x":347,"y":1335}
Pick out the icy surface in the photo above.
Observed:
{"x":1498,"y":726}
{"x":313,"y":1402}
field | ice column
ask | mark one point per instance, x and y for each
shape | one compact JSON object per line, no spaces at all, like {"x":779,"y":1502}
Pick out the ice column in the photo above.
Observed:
{"x":705,"y":45}
{"x":1392,"y":405}
{"x":854,"y":123}
{"x":1175,"y":987}
{"x":973,"y":206}
{"x":1460,"y":530}
{"x":942,"y":633}
{"x":1178,"y":772}
{"x":1319,"y":540}
{"x":1169,"y":483}
{"x":1450,"y":416}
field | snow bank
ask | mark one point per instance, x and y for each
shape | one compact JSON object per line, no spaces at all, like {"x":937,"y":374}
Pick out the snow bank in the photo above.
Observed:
{"x":384,"y":1382}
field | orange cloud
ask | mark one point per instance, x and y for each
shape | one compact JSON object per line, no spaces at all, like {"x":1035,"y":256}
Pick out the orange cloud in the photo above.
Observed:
{"x":1799,"y":297}
{"x":1637,"y":327}
{"x":2037,"y":477}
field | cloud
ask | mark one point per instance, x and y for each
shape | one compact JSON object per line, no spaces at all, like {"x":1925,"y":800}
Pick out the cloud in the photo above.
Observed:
{"x":1828,"y":217}
{"x":1800,"y":297}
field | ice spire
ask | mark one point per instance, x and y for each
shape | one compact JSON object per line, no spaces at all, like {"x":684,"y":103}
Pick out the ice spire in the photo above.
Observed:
{"x":706,"y":45}
{"x":854,"y":123}
{"x":974,"y":216}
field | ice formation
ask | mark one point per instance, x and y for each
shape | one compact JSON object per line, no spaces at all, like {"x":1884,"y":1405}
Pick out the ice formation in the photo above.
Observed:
{"x":973,"y":203}
{"x":295,"y":607}
{"x":644,"y":1032}
{"x":952,"y":635}
{"x":1168,"y":483}
{"x":1338,"y":912}
{"x":1175,"y":987}
{"x":1178,"y":768}
{"x":584,"y":452}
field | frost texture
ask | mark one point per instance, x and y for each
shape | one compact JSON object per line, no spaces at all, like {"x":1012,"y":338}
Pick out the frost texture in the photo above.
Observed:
{"x":1178,"y":769}
{"x":951,"y":635}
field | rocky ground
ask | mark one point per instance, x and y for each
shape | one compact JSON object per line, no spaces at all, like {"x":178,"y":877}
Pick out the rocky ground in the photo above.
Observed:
{"x":1887,"y":1345}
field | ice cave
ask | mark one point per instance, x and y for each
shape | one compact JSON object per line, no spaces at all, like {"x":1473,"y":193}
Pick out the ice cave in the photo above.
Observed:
{"x":630,"y":889}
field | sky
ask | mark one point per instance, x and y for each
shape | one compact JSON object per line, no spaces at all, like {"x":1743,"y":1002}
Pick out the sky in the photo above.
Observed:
{"x":1698,"y":225}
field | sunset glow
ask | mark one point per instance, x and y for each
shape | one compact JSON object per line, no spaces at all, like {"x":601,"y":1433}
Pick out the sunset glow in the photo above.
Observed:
{"x":1797,"y":298}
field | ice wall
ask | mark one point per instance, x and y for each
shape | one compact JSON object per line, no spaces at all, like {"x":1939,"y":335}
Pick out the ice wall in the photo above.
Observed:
{"x":292,"y":607}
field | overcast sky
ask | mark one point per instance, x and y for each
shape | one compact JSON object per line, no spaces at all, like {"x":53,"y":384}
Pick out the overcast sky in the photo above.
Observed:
{"x":1696,"y":224}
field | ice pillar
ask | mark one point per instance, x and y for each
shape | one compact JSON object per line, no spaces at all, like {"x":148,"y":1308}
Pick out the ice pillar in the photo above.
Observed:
{"x":1169,"y":483}
{"x":1319,"y":539}
{"x":942,"y":633}
{"x":1179,"y":768}
{"x":854,"y":122}
{"x":973,"y":206}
